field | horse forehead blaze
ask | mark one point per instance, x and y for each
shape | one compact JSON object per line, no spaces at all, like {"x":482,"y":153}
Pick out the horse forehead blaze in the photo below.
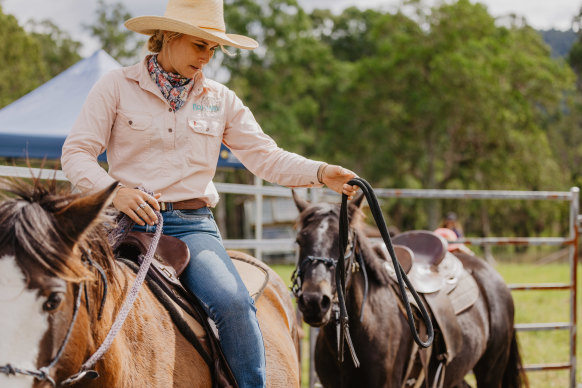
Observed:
{"x":23,"y":322}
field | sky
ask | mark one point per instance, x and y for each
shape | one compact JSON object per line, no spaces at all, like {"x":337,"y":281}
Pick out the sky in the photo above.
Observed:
{"x":71,"y":15}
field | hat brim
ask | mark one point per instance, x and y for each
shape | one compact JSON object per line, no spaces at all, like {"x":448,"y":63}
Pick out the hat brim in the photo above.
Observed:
{"x":148,"y":25}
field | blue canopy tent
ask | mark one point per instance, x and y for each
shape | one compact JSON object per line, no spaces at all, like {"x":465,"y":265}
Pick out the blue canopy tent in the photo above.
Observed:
{"x":36,"y":125}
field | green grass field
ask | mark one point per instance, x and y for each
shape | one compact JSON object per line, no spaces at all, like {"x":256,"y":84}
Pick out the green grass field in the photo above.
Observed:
{"x":531,"y":307}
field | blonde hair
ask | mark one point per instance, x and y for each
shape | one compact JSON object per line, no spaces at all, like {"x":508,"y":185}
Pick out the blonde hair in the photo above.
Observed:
{"x":160,"y":38}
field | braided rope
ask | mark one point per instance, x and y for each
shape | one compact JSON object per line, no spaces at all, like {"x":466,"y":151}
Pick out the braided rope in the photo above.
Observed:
{"x":130,"y":298}
{"x":122,"y":229}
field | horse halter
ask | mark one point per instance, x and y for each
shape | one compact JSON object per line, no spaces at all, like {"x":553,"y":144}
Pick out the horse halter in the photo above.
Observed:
{"x":297,"y":276}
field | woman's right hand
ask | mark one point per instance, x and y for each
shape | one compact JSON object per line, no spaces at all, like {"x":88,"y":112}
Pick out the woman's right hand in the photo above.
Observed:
{"x":139,"y":206}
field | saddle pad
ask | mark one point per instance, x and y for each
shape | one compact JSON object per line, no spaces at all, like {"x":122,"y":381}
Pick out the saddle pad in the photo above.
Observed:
{"x":253,"y":272}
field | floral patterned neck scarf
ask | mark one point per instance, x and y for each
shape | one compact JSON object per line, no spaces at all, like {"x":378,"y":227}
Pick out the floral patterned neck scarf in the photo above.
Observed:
{"x":175,"y":88}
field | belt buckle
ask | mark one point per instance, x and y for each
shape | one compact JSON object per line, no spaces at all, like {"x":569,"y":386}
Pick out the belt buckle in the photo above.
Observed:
{"x":163,"y":207}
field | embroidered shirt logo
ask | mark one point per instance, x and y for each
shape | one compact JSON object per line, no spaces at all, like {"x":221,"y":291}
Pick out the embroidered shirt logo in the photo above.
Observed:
{"x":205,"y":108}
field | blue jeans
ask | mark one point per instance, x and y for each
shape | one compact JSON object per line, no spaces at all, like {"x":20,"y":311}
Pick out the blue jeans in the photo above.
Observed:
{"x":212,"y":277}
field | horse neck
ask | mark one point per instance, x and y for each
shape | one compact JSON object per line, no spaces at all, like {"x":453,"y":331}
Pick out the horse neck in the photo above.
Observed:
{"x":90,"y":331}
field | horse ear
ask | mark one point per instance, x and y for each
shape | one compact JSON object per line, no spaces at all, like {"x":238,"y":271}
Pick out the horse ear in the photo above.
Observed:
{"x":299,"y":202}
{"x":82,"y":212}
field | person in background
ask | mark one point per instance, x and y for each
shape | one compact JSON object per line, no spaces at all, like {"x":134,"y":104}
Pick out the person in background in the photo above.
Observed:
{"x":451,"y":222}
{"x":162,"y":123}
{"x":450,"y":236}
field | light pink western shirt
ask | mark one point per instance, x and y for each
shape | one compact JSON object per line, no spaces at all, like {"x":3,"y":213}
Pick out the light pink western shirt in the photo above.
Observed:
{"x":171,"y":152}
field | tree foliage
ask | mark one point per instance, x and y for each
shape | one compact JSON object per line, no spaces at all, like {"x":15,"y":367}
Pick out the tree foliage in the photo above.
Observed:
{"x":442,"y":97}
{"x":22,"y":68}
{"x":32,"y":58}
{"x":119,"y":42}
{"x":58,"y":50}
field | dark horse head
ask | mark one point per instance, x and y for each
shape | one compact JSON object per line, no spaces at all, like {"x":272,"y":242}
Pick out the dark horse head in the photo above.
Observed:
{"x":318,"y":240}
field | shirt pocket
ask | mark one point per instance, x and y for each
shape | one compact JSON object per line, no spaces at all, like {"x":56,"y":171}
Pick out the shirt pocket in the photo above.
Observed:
{"x":205,"y":126}
{"x":131,"y":137}
{"x":204,"y":139}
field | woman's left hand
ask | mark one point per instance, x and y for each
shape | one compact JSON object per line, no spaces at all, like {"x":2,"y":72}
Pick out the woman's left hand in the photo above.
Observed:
{"x":337,"y":177}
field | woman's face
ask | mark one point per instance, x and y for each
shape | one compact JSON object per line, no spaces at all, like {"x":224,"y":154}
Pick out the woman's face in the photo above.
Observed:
{"x":186,"y":55}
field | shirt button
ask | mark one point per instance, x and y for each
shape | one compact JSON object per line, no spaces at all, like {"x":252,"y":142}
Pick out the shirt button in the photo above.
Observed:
{"x":207,"y":129}
{"x":169,"y":129}
{"x":170,"y":109}
{"x":130,"y":122}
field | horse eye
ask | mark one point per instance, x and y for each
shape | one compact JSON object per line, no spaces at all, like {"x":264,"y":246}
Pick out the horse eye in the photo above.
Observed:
{"x":54,"y":300}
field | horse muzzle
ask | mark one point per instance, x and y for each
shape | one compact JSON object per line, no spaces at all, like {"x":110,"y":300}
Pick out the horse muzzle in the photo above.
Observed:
{"x":315,"y":307}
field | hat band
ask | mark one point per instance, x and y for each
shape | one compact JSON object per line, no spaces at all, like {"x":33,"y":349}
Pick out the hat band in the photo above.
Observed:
{"x":214,"y":29}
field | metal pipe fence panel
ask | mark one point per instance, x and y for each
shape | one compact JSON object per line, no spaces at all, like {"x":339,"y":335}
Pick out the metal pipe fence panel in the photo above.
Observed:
{"x":258,"y":244}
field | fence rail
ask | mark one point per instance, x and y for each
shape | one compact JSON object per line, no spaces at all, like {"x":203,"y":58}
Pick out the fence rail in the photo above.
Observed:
{"x":571,"y":241}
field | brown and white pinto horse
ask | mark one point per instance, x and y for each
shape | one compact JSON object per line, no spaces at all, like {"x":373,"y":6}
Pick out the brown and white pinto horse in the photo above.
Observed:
{"x":44,"y":237}
{"x":382,"y":339}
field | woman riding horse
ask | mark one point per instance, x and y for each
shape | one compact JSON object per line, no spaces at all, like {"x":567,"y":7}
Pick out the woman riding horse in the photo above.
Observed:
{"x":162,"y":124}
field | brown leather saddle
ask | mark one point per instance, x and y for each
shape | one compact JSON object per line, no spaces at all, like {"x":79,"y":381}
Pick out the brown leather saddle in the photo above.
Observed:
{"x":171,"y":259}
{"x":439,"y":277}
{"x":425,"y":258}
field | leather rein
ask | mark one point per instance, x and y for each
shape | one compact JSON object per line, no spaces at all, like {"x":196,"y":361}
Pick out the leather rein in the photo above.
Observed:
{"x":344,"y":333}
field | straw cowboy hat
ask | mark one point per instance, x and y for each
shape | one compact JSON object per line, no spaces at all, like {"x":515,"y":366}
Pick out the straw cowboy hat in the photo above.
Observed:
{"x":201,"y":18}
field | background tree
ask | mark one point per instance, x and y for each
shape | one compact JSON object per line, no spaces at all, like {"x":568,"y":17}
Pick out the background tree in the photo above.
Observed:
{"x":287,"y":80}
{"x":32,"y":58}
{"x":23,"y":68}
{"x":119,"y":42}
{"x":58,"y":50}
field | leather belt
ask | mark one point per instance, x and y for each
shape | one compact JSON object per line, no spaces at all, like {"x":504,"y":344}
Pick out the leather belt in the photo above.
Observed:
{"x":187,"y":204}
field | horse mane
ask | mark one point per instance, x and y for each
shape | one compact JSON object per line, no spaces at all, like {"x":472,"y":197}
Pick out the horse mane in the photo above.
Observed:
{"x":28,"y":225}
{"x":374,"y":262}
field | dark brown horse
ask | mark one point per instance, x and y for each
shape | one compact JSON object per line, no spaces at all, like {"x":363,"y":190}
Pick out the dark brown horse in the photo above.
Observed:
{"x":382,"y":339}
{"x":45,"y":243}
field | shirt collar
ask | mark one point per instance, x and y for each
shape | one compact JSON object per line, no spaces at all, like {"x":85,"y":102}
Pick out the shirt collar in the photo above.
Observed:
{"x":139,"y":73}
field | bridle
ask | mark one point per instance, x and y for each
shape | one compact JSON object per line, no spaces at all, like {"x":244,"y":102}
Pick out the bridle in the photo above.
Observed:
{"x":43,"y":373}
{"x":347,"y":239}
{"x":353,"y":262}
{"x":329,"y":262}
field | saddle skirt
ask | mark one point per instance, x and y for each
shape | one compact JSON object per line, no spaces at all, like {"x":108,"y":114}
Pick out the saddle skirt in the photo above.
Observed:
{"x":439,"y":277}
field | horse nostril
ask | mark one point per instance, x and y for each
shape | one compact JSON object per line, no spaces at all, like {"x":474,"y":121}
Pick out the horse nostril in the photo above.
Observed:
{"x":325,"y":303}
{"x":301,"y":301}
